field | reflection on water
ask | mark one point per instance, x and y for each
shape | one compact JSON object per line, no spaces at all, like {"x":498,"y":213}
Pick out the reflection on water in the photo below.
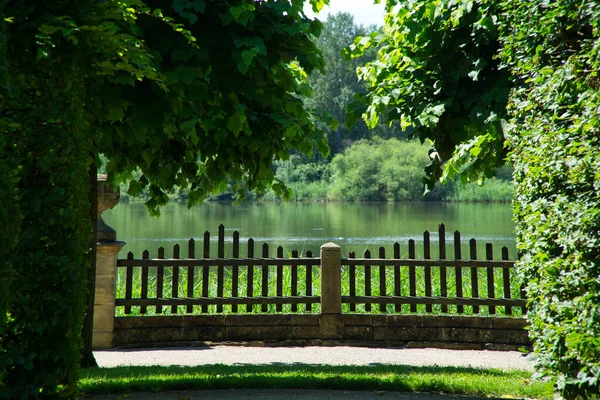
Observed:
{"x":354,"y":226}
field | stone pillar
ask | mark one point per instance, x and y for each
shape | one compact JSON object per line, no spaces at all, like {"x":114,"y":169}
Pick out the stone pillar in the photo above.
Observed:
{"x":331,"y":276}
{"x":106,"y":270}
{"x":104,"y":303}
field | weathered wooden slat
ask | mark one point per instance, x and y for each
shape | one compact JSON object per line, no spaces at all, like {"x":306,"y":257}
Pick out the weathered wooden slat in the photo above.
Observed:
{"x":397,"y":279}
{"x":458,"y":271}
{"x":220,"y":301}
{"x":279,"y":279}
{"x":433,"y":300}
{"x":220,"y":268}
{"x":265,"y":276}
{"x":144,"y":283}
{"x":235,"y":270}
{"x":229,"y":262}
{"x":524,"y":297}
{"x":309,"y":274}
{"x":367,"y":270}
{"x":190,"y":270}
{"x":412,"y":274}
{"x":523,"y":292}
{"x":474,"y":276}
{"x":175,"y":278}
{"x":506,"y":281}
{"x":294,"y":285}
{"x":382,"y":282}
{"x":428,"y":262}
{"x":250,"y":281}
{"x":443,"y":274}
{"x":317,"y":299}
{"x":205,"y":269}
{"x":129,"y":282}
{"x":489,"y":255}
{"x":160,"y":277}
{"x":427,"y":256}
{"x":352,"y":276}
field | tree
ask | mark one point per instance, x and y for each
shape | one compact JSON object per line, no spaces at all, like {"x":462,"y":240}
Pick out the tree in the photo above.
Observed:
{"x":189,"y":95}
{"x":446,"y":67}
{"x":437,"y":72}
{"x":554,"y":134}
{"x":337,"y":85}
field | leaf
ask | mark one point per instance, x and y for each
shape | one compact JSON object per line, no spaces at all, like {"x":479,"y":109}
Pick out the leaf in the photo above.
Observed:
{"x":236,"y":123}
{"x":199,"y":6}
{"x":116,"y":114}
{"x":188,"y":74}
{"x":188,"y":125}
{"x":135,"y":188}
{"x":236,"y":12}
{"x":193,"y":18}
{"x":317,"y":5}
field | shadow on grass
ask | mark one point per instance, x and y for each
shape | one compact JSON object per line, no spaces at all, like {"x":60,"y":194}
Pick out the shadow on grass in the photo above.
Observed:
{"x":451,"y":380}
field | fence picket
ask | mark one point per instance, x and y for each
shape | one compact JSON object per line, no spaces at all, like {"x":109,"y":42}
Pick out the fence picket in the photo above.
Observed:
{"x":190,"y":275}
{"x":279,"y":279}
{"x":367,"y":280}
{"x":309,"y":281}
{"x":489,"y":255}
{"x":352,"y":276}
{"x":506,"y":281}
{"x":175,"y":278}
{"x":412,"y":274}
{"x":144,"y":291}
{"x":523,"y":297}
{"x":474,"y":276}
{"x":458,"y":271}
{"x":397,"y":281}
{"x":427,"y":269}
{"x":235,"y":273}
{"x":382,"y":280}
{"x":205,"y":269}
{"x":160,"y":275}
{"x":265,"y":276}
{"x":294,"y":288}
{"x":443,"y":275}
{"x":220,"y":268}
{"x":128,"y":283}
{"x":250,"y":281}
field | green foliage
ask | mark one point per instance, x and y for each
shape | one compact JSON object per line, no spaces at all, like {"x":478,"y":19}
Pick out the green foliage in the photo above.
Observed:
{"x":554,"y":53}
{"x":9,"y":212}
{"x":226,"y":102}
{"x":337,"y":85}
{"x":437,"y":71}
{"x":308,"y":179}
{"x":190,"y":96}
{"x":46,"y":145}
{"x":494,"y":189}
{"x":380,"y":170}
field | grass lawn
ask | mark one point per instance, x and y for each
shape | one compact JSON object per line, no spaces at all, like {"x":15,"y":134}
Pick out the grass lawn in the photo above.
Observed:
{"x":451,"y":380}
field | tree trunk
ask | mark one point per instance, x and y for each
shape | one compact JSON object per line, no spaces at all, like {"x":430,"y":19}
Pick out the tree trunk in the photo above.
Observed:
{"x":87,"y":356}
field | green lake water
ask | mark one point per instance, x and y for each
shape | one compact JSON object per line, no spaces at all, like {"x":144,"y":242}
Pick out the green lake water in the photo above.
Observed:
{"x":306,"y":226}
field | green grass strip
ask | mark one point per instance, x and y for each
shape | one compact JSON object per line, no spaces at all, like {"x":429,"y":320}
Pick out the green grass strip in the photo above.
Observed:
{"x":451,"y":380}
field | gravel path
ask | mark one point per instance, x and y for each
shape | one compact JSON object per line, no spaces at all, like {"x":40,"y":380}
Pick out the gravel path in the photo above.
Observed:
{"x":235,"y":355}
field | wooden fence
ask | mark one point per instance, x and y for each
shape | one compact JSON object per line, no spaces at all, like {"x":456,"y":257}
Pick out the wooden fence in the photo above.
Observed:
{"x":402,"y":300}
{"x":205,"y":285}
